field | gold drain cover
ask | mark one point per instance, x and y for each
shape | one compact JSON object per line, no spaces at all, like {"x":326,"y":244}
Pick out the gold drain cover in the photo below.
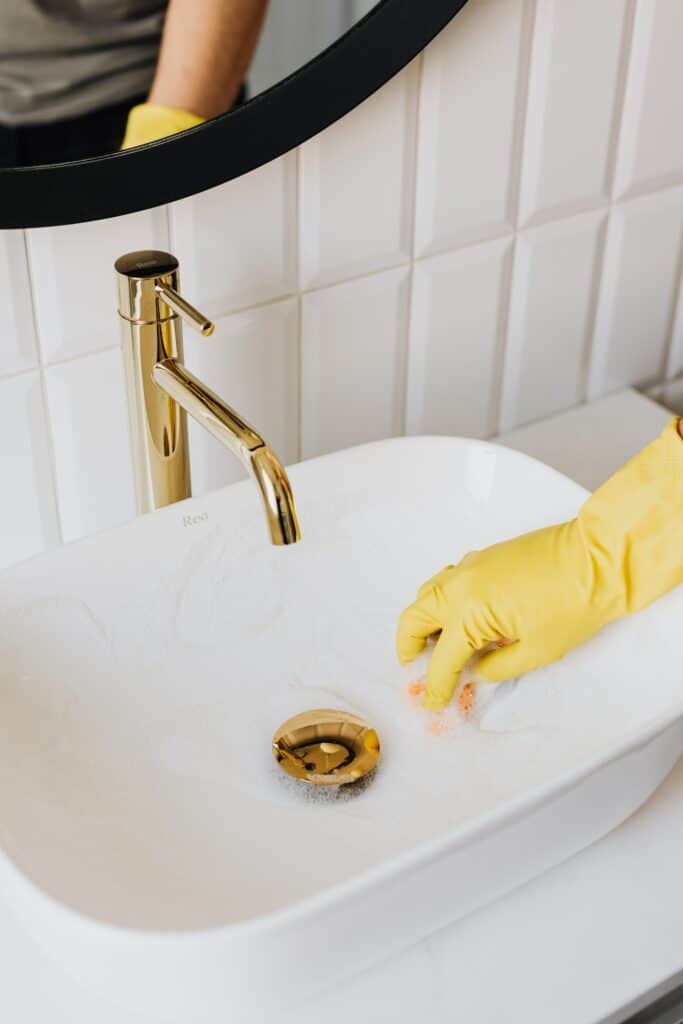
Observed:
{"x":326,"y":747}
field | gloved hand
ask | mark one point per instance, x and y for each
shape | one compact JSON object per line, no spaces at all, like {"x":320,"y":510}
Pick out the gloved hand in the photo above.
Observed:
{"x":541,"y":594}
{"x":150,"y":121}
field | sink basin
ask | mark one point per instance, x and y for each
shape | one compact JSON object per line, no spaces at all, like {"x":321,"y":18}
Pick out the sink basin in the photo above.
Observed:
{"x":148,"y":839}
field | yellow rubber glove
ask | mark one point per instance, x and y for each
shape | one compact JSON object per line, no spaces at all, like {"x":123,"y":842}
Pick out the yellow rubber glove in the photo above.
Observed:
{"x":150,"y":121}
{"x":550,"y":590}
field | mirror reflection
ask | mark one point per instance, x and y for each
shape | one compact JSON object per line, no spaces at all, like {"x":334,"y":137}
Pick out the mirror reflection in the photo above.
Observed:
{"x":81,"y":78}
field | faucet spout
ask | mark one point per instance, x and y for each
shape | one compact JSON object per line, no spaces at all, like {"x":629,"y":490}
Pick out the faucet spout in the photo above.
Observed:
{"x":228,"y":427}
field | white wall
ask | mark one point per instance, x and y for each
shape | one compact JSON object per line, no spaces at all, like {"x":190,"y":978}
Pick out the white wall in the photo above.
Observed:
{"x":496,"y":235}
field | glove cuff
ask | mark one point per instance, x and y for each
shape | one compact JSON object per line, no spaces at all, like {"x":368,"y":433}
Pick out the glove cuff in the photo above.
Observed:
{"x":148,"y":122}
{"x":632,"y":528}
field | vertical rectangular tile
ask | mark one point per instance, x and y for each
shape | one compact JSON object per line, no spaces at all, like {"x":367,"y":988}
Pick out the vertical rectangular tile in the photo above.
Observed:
{"x":640,"y":279}
{"x":87,"y":408}
{"x":550,"y":325}
{"x":577,"y":59}
{"x":28,"y":517}
{"x":353,"y":351}
{"x":237,"y":242}
{"x":74,"y":283}
{"x":252,"y":361}
{"x":17,"y":349}
{"x":470,"y":116}
{"x":356,"y":187}
{"x":458,"y":310}
{"x":651,"y":144}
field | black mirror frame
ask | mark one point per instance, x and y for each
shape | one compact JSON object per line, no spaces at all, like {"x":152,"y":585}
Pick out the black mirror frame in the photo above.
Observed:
{"x":275,"y":121}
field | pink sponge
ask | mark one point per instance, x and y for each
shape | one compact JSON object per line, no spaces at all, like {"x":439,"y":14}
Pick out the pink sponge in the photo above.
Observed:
{"x":465,"y":700}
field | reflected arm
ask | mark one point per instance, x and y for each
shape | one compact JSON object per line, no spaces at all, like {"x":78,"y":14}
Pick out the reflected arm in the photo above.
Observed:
{"x":206,"y":48}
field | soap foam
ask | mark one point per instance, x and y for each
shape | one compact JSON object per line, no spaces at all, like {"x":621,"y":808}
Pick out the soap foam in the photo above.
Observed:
{"x":120,"y":773}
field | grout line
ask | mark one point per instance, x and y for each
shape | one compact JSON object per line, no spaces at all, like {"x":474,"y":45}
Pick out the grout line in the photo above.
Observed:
{"x":252,"y":306}
{"x":593,"y":300}
{"x":568,"y":210}
{"x":604,"y":289}
{"x":675,"y":315}
{"x":405,"y":262}
{"x":652,"y":187}
{"x":536,"y":46}
{"x":514,"y":197}
{"x":26,"y":372}
{"x":489,"y":233}
{"x":616,"y":134}
{"x":502,"y":332}
{"x":300,"y":378}
{"x":676,"y":350}
{"x":297,"y":219}
{"x":410,"y":211}
{"x":404,"y":347}
{"x":296,"y":227}
{"x":403,"y":354}
{"x":49,"y":434}
{"x":40,"y":357}
{"x":407,"y":352}
{"x":170,"y":241}
{"x":62,"y":362}
{"x":671,"y":183}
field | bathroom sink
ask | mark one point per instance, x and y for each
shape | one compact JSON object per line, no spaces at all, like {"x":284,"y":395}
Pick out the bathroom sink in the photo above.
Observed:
{"x":149,"y":840}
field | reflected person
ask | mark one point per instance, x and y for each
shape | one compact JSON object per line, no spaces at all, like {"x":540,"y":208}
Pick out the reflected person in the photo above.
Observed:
{"x":80,"y":78}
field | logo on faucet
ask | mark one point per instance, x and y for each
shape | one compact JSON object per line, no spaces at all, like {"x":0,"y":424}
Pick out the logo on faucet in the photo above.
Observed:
{"x":201,"y":517}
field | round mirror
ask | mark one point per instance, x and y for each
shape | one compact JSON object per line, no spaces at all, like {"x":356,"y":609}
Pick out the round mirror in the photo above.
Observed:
{"x":112,"y":106}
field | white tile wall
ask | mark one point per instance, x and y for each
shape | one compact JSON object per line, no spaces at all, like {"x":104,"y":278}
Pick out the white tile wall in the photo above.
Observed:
{"x":640,"y":284}
{"x":493,"y":236}
{"x":652,"y":143}
{"x":237,"y":244}
{"x":92,"y":449}
{"x":551,"y":318}
{"x":570,"y":127}
{"x":255,"y":357}
{"x":29,"y":516}
{"x":357,"y":183}
{"x":470,"y":120}
{"x":352,"y":362}
{"x":73,"y":279}
{"x":459,"y":302}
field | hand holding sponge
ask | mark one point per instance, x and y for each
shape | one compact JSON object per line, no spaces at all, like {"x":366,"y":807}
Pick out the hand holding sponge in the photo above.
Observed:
{"x":541,"y":594}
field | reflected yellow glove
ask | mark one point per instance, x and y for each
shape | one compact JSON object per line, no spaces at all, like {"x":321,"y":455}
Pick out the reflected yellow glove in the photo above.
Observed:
{"x":550,"y":590}
{"x":150,"y":121}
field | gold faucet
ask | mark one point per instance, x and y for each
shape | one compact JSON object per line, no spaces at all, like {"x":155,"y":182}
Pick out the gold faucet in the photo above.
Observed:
{"x":161,"y":391}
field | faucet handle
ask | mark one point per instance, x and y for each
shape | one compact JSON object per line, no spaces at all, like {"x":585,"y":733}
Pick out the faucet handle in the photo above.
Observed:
{"x":184,"y":310}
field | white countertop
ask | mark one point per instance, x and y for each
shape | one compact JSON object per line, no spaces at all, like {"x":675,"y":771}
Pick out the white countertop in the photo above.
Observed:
{"x":575,"y":946}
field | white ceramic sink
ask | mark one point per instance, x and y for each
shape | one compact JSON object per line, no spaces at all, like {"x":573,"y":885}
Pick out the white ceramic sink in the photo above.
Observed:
{"x":148,"y":840}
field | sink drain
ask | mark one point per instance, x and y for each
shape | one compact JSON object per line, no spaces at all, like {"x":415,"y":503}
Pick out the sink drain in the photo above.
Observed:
{"x":326,"y":747}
